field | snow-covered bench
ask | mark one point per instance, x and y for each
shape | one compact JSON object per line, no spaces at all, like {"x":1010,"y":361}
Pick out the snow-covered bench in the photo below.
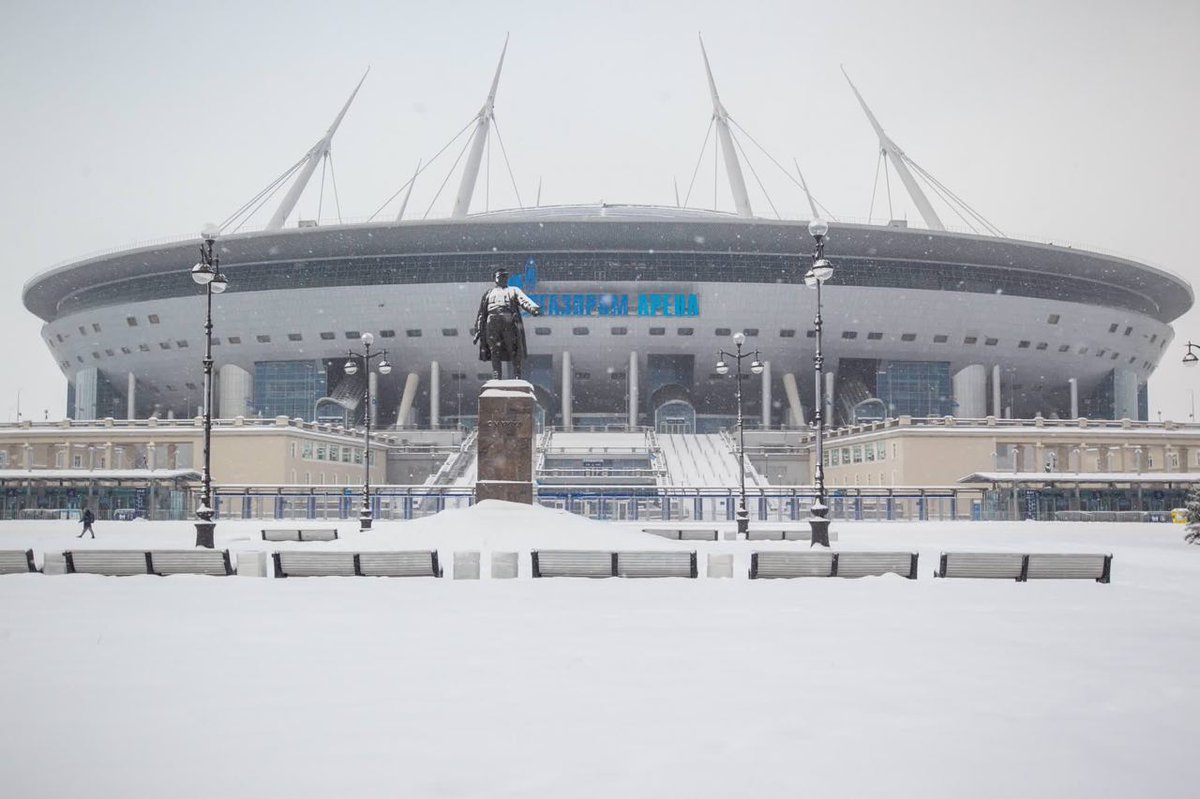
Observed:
{"x":124,"y":562}
{"x":583,"y":563}
{"x":764,"y":565}
{"x":683,"y":533}
{"x":1022,"y":567}
{"x":16,"y":561}
{"x":290,"y":563}
{"x":782,"y":534}
{"x":292,"y":534}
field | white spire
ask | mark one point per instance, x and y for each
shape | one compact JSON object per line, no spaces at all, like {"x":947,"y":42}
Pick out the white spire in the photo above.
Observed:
{"x":483,"y":122}
{"x":408,"y":194}
{"x":733,"y":167}
{"x":318,"y":151}
{"x":812,"y":204}
{"x":900,"y":164}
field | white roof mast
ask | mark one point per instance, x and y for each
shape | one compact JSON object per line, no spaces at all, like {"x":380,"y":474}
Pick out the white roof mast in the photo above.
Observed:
{"x":319,"y":150}
{"x":732,"y":166}
{"x":483,"y":121}
{"x":900,"y":164}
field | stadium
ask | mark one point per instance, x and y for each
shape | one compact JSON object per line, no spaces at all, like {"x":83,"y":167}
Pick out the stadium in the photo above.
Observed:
{"x":637,"y":303}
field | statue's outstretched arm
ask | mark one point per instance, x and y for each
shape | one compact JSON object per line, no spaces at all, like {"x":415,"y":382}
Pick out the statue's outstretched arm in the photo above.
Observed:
{"x":526,"y":303}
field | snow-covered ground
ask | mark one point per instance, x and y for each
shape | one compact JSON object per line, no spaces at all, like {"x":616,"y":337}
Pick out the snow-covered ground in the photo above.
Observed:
{"x":197,"y":686}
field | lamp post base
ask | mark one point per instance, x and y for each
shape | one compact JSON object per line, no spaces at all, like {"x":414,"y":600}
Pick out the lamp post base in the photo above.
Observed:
{"x":364,"y":522}
{"x":820,"y":531}
{"x":204,"y":534}
{"x":743,"y":523}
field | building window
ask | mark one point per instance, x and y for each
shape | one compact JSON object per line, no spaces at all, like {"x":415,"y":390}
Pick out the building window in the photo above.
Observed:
{"x":449,"y":331}
{"x":96,"y":327}
{"x":353,"y":334}
{"x":82,"y":332}
{"x":328,"y":335}
{"x":1113,"y":327}
{"x":810,"y":334}
{"x":1101,"y":353}
{"x":750,"y":332}
{"x":686,"y":331}
{"x":1053,"y":319}
{"x":295,"y":337}
{"x":1153,"y":337}
{"x":991,"y":342}
{"x":1128,"y":330}
{"x":617,"y":375}
{"x":881,"y":454}
{"x":970,"y":339}
{"x":583,"y":375}
{"x":234,"y":339}
{"x":262,"y":339}
{"x":1023,"y":345}
{"x":181,"y":344}
{"x":413,"y":333}
{"x":940,"y":339}
{"x":164,"y":345}
{"x":153,"y":318}
{"x":191,"y":386}
{"x":131,"y":321}
{"x":908,"y":337}
{"x":724,"y":332}
{"x":96,"y":355}
{"x":1064,"y":347}
{"x":1042,"y":345}
{"x":658,"y":331}
{"x":1083,"y":350}
{"x":126,"y":351}
{"x":788,"y":333}
{"x":387,"y":333}
{"x":875,"y":336}
{"x":858,"y":454}
{"x":144,"y":347}
{"x":541,"y":331}
{"x":109,"y":353}
{"x":620,"y":331}
{"x":850,"y":334}
{"x":1115,"y":355}
{"x":579,"y":331}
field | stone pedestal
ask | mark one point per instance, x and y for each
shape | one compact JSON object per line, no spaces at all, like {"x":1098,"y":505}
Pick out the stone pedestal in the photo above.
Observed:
{"x":505,"y":442}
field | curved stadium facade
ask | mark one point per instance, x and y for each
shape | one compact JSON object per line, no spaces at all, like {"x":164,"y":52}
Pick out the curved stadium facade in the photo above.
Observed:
{"x":637,"y":302}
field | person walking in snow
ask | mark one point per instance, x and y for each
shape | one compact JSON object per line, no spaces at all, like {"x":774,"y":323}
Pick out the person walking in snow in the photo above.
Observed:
{"x":88,"y":518}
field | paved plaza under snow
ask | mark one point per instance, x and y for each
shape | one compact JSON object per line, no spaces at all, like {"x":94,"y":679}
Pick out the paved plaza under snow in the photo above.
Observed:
{"x":195,"y":686}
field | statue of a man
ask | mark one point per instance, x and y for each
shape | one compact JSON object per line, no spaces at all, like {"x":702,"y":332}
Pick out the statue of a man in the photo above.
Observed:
{"x":498,"y":329}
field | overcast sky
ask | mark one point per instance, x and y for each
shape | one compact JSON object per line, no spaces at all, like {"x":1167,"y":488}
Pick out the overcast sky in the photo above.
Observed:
{"x":126,"y":122}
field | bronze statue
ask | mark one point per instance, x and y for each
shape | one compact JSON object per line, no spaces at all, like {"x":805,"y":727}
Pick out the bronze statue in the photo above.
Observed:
{"x":498,"y":328}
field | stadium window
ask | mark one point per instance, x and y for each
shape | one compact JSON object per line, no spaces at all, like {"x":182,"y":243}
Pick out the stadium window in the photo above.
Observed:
{"x":1101,"y":353}
{"x":1153,"y":337}
{"x":875,"y":336}
{"x":583,"y":375}
{"x":1042,"y":345}
{"x":991,"y":342}
{"x":170,"y":388}
{"x":1023,"y":345}
{"x":1083,"y":350}
{"x":144,"y":347}
{"x":192,"y":387}
{"x":181,"y":344}
{"x":579,"y":331}
{"x":295,"y":337}
{"x":940,"y":339}
{"x":616,"y":375}
{"x":328,"y":335}
{"x":541,"y":331}
{"x":263,"y":339}
{"x":109,"y":353}
{"x":1132,"y":358}
{"x":658,"y":331}
{"x":96,"y":327}
{"x":413,"y":333}
{"x":59,"y":337}
{"x":724,"y":332}
{"x":1113,"y":327}
{"x":686,"y":331}
{"x":153,"y":318}
{"x":1128,"y":330}
{"x":387,"y":333}
{"x":850,"y":334}
{"x":1115,"y":356}
{"x":234,"y":339}
{"x":82,"y":332}
{"x":164,"y":345}
{"x":80,"y":357}
{"x":750,"y":332}
{"x":620,"y":331}
{"x":216,"y":341}
{"x":126,"y":351}
{"x":1064,"y":347}
{"x":810,"y":334}
{"x":449,"y":331}
{"x":353,"y":334}
{"x":96,"y":355}
{"x":131,"y":321}
{"x":908,"y":337}
{"x":1053,"y":319}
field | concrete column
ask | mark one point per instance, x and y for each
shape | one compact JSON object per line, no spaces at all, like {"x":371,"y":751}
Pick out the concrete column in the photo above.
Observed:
{"x":830,"y":379}
{"x":795,"y":409}
{"x":406,"y":399}
{"x":633,"y":390}
{"x":86,"y":388}
{"x":373,"y":393}
{"x":766,"y":395}
{"x":567,"y":375}
{"x":1074,"y":384}
{"x":130,"y":396}
{"x":235,"y":392}
{"x":970,"y":391}
{"x":1125,"y":394}
{"x":996,"y":391}
{"x":435,"y":395}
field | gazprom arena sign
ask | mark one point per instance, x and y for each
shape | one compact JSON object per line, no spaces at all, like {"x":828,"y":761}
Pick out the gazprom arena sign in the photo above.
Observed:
{"x":604,"y":303}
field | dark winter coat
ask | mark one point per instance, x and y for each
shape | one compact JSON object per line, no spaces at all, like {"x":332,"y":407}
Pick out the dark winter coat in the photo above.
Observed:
{"x":485,"y":350}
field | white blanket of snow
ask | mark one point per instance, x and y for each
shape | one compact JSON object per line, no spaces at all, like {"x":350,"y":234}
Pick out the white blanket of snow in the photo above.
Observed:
{"x":240,"y":687}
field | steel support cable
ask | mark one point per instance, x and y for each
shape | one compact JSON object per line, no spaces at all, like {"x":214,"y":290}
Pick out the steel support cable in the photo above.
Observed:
{"x":249,"y":214}
{"x":487,"y":176}
{"x":754,"y":172}
{"x":949,"y":203}
{"x":271,"y":188}
{"x":421,"y":169}
{"x":874,"y":187}
{"x":446,"y":180}
{"x":337,"y":203}
{"x":966,"y":206}
{"x":780,"y":166}
{"x":507,"y":164}
{"x":699,"y":161}
{"x":887,"y":181}
{"x":321,"y":195}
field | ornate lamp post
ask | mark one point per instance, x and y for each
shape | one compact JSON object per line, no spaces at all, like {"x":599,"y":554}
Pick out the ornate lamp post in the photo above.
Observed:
{"x":351,"y":367}
{"x":821,"y":271}
{"x":756,"y":367}
{"x":207,"y":273}
{"x":1190,"y":358}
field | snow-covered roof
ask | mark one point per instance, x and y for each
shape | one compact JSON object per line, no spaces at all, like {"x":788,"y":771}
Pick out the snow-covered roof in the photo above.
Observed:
{"x":99,"y":474}
{"x":1082,"y":477}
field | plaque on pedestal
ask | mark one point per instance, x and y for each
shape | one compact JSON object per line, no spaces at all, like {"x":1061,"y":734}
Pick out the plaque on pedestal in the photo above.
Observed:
{"x":505,"y":442}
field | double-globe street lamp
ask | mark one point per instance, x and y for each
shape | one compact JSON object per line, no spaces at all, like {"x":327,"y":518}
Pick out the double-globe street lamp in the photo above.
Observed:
{"x":756,"y":367}
{"x":350,"y":368}
{"x":1190,"y":358}
{"x":820,"y":271}
{"x":207,"y":273}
